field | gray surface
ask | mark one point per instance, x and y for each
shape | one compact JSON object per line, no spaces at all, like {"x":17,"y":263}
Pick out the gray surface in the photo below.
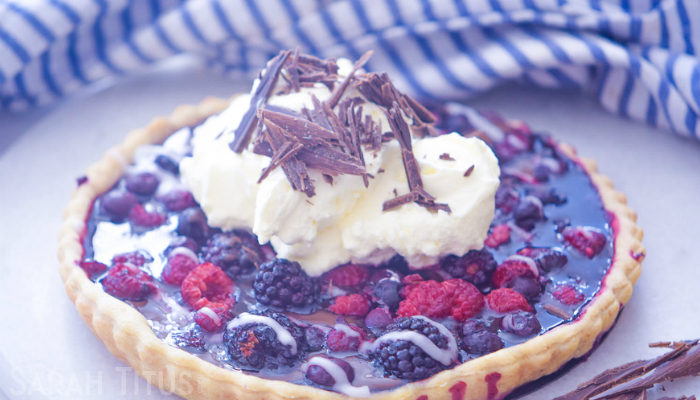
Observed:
{"x":51,"y":352}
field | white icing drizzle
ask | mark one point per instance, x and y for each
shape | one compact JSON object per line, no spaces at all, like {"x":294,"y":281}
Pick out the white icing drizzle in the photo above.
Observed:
{"x":211,"y":314}
{"x":283,"y":335}
{"x":184,"y":251}
{"x":346,"y":330}
{"x":444,"y":356}
{"x":342,"y":384}
{"x":529,"y":261}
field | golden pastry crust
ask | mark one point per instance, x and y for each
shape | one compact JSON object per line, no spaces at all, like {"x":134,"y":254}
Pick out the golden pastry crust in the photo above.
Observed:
{"x":128,"y":336}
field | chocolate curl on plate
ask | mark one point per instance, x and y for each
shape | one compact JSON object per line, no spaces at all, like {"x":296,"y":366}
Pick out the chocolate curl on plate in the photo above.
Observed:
{"x":632,"y":380}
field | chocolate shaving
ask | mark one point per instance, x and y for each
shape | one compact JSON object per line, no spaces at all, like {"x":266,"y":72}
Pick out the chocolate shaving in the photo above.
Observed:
{"x":632,"y":380}
{"x":415,"y":183}
{"x":400,"y":200}
{"x":300,"y":129}
{"x":244,"y":130}
{"x":295,"y":170}
{"x":446,"y":157}
{"x":340,"y":90}
{"x":557,"y":312}
{"x":469,"y":171}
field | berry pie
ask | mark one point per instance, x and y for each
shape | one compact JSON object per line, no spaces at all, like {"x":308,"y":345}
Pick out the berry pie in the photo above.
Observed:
{"x":327,"y":236}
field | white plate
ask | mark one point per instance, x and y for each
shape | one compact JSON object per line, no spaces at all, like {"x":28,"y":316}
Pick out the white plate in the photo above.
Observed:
{"x":46,"y":351}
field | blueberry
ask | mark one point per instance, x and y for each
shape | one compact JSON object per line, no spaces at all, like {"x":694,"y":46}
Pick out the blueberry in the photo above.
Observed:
{"x":168,"y":164}
{"x":547,"y":195}
{"x":117,"y":203}
{"x":387,"y":291}
{"x":529,"y":287}
{"x":521,"y":323}
{"x":319,"y":376}
{"x":541,"y":173}
{"x":550,"y":259}
{"x":528,"y":212}
{"x":182,"y":241}
{"x":378,"y":319}
{"x":143,"y":183}
{"x":477,"y":339}
{"x":193,"y":224}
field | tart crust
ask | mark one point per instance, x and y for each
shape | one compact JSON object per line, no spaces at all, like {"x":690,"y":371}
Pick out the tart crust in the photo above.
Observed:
{"x":128,"y":336}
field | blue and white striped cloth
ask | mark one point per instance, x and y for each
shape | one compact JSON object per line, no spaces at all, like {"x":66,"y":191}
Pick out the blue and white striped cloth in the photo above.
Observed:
{"x":638,"y":56}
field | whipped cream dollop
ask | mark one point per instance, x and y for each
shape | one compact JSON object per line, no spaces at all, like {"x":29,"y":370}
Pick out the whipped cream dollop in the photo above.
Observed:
{"x":344,"y":221}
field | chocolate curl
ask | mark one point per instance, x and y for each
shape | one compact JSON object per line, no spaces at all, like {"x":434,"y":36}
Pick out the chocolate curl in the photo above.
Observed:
{"x":338,"y":92}
{"x":244,"y":131}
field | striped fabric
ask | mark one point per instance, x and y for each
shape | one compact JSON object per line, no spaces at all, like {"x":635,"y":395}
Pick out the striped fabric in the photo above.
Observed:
{"x":638,"y":56}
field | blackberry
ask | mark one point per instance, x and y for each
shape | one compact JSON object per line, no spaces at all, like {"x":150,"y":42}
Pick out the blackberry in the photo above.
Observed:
{"x":405,"y":360}
{"x":256,"y":345}
{"x":282,"y":284}
{"x":477,"y":339}
{"x":476,"y":267}
{"x":237,"y":253}
{"x":190,"y":338}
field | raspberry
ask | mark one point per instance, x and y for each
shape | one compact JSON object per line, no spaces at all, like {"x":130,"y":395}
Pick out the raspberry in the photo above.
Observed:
{"x":347,"y":276}
{"x":506,"y":300}
{"x":256,"y":345}
{"x":177,"y":268}
{"x":237,"y":253}
{"x":135,"y":258}
{"x":454,"y":297}
{"x":404,"y":359}
{"x":144,"y":183}
{"x":92,"y":268}
{"x":127,"y":282}
{"x":340,"y":341}
{"x":514,"y":267}
{"x":477,"y":339}
{"x":589,"y":241}
{"x":139,"y":216}
{"x":177,"y":200}
{"x":207,"y":286}
{"x":476,"y":266}
{"x":283,"y":284}
{"x":353,"y":304}
{"x":499,"y":234}
{"x":428,"y":298}
{"x":212,"y":319}
{"x":321,"y":377}
{"x":467,"y":301}
{"x":568,"y":295}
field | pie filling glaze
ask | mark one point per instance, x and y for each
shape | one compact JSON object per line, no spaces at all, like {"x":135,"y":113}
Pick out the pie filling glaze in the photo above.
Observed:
{"x":357,"y":329}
